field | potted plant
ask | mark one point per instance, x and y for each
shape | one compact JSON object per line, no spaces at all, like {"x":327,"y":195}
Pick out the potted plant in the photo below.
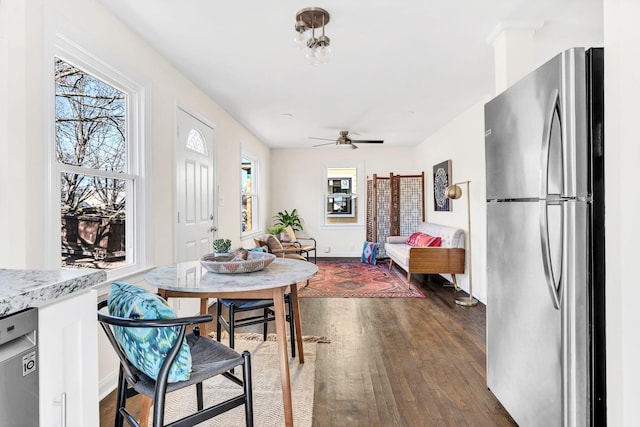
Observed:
{"x":286,"y":218}
{"x":221,"y":246}
{"x":276,"y":229}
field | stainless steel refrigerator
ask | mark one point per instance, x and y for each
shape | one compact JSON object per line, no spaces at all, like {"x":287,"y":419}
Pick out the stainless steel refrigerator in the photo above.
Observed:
{"x":545,"y":243}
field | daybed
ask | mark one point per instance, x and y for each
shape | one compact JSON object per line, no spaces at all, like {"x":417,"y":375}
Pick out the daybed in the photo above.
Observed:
{"x":448,"y":258}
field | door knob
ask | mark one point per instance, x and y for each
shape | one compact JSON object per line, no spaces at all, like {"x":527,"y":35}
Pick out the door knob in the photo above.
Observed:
{"x":213,"y":229}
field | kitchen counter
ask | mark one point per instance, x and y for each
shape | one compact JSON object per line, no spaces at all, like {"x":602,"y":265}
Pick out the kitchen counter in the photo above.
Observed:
{"x":20,"y":289}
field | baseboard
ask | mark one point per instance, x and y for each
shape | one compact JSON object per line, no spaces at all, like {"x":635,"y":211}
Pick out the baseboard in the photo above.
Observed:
{"x":107,"y":384}
{"x":340,"y":255}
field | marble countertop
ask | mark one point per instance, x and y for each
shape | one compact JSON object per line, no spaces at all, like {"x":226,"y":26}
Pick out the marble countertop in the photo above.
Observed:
{"x":192,"y":277}
{"x":20,"y":289}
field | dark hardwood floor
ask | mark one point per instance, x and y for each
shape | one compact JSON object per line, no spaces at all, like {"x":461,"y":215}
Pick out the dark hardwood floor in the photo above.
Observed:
{"x":396,"y":362}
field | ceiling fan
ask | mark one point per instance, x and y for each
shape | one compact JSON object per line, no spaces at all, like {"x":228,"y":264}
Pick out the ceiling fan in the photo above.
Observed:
{"x":344,"y":140}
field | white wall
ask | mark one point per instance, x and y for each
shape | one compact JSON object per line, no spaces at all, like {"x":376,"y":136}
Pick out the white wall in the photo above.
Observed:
{"x":30,"y":31}
{"x":297,"y":182}
{"x":622,"y":204}
{"x":462,"y":142}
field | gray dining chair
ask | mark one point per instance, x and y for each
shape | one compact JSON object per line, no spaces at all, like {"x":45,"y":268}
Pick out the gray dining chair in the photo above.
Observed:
{"x":235,"y":306}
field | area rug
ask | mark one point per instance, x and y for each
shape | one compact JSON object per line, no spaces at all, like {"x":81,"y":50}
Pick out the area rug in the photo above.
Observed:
{"x":355,"y":279}
{"x":267,"y":394}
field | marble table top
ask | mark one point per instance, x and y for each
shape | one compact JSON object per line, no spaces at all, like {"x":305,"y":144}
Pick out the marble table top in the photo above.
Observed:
{"x":20,"y":289}
{"x":191,"y":276}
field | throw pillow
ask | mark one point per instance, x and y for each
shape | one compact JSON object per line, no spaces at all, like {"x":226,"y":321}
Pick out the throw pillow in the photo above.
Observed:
{"x":369,"y":251}
{"x":288,"y":235}
{"x":435,"y":242}
{"x":147,"y":348}
{"x":419,"y":239}
{"x":259,"y":242}
{"x":273,"y":243}
{"x":262,"y":248}
{"x":411,"y":241}
{"x":423,"y":240}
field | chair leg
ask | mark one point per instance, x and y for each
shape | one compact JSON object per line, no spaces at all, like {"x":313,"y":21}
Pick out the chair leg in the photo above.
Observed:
{"x":145,"y":409}
{"x":199,"y":396}
{"x":264,"y":325}
{"x":292,"y":327}
{"x":232,"y":323}
{"x":248,"y":393}
{"x":218,"y":323}
{"x":121,"y":398}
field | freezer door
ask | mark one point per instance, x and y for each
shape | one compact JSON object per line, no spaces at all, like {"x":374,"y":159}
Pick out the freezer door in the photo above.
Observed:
{"x":524,"y":327}
{"x":535,"y":133}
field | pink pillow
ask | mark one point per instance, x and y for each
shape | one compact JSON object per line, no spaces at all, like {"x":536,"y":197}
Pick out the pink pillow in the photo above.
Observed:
{"x":435,"y":242}
{"x":411,"y":241}
{"x":422,"y":239}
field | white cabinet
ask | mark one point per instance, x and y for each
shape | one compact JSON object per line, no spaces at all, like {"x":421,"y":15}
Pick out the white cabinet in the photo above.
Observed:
{"x":69,"y":361}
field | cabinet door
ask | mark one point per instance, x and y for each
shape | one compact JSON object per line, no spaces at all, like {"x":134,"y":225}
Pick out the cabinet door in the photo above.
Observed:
{"x":69,"y":362}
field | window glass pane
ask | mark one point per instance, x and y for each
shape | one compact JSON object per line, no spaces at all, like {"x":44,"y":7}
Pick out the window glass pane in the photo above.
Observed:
{"x":196,"y":142}
{"x":341,"y":196}
{"x":90,"y":120}
{"x":92,"y":221}
{"x":247,"y":196}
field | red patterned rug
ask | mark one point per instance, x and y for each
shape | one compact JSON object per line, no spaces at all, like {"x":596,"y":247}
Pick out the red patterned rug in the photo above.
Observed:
{"x":354,"y":279}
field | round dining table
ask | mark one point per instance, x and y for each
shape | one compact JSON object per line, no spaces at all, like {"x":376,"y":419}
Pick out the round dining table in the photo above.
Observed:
{"x":191,"y":280}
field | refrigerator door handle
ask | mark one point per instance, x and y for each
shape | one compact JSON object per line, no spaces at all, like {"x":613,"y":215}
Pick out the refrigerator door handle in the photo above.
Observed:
{"x":554,"y":285}
{"x":553,"y":108}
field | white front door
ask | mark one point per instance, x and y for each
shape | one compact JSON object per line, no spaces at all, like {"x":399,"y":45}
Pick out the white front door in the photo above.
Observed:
{"x":195,"y":195}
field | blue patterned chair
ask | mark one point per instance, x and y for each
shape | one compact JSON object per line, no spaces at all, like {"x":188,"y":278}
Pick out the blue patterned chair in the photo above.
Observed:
{"x":157,"y":357}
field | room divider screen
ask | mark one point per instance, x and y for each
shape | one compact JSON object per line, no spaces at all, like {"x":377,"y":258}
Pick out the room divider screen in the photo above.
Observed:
{"x":395,"y":207}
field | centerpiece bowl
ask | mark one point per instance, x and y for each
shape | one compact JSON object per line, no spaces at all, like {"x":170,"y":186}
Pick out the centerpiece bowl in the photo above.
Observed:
{"x":219,"y":263}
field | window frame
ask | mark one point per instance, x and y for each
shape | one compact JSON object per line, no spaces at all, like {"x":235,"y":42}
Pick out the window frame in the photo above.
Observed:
{"x":100,"y":64}
{"x":358,"y":191}
{"x":255,"y":194}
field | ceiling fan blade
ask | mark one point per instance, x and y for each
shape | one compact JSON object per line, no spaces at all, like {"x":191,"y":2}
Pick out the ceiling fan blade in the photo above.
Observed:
{"x":364,"y":141}
{"x":320,"y":145}
{"x":324,"y":139}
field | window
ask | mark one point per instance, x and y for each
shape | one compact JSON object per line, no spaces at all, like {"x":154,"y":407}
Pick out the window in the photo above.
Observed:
{"x":197,"y":142}
{"x":249,"y":196}
{"x":96,"y":168}
{"x":340,"y":197}
{"x":343,"y":184}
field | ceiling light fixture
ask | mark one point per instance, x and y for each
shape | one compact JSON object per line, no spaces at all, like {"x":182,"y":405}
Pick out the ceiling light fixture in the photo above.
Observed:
{"x":307,"y":20}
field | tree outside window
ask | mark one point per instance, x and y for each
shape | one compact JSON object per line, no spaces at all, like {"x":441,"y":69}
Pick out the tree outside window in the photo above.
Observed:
{"x":91,"y":152}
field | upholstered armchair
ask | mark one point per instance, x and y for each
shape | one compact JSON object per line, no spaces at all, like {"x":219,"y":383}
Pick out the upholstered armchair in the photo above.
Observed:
{"x":304,"y":245}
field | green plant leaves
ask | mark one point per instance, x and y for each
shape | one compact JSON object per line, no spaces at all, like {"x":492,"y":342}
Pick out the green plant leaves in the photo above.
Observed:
{"x":221,"y":245}
{"x":292,"y":219}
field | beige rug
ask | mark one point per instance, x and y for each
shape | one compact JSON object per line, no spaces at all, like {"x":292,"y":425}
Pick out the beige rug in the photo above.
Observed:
{"x":267,"y":393}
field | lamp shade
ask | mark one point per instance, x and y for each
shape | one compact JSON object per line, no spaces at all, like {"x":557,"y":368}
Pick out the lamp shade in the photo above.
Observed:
{"x":453,"y":192}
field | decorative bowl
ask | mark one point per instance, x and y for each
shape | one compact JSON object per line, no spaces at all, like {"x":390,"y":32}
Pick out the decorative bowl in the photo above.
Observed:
{"x":255,"y":261}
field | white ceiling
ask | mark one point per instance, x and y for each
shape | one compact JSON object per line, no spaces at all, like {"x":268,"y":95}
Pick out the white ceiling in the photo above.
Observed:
{"x":400,"y":69}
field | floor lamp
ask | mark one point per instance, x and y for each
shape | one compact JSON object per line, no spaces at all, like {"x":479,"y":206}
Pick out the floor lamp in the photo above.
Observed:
{"x":455,"y":192}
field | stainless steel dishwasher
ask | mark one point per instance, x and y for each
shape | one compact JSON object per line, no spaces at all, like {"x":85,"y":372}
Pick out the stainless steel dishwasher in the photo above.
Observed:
{"x":19,"y":369}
